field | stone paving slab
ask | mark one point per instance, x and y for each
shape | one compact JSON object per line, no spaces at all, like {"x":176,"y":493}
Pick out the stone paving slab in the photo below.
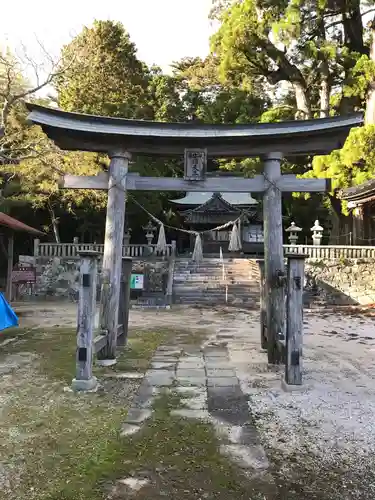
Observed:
{"x":218,"y":363}
{"x":213,"y":353}
{"x":129,"y":429}
{"x":138,"y":415}
{"x":187,"y":413}
{"x":161,"y":365}
{"x":145,"y":395}
{"x":125,"y":375}
{"x":183,"y":365}
{"x":158,"y":358}
{"x":222,"y":381}
{"x":193,"y":391}
{"x":247,"y":457}
{"x":192,"y":381}
{"x":193,"y":373}
{"x":197,"y":402}
{"x":160,"y":377}
{"x":191,"y":351}
{"x":210,"y":391}
{"x":168,"y":348}
{"x":191,"y":360}
{"x":220,"y":372}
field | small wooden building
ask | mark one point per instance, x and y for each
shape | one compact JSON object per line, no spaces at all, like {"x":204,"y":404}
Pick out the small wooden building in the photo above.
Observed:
{"x":203,"y":211}
{"x":8,"y":226}
{"x":361,"y":204}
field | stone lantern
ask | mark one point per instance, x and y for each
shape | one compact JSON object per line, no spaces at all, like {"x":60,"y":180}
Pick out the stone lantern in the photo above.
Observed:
{"x":293,"y":231}
{"x":150,"y":232}
{"x":126,"y":237}
{"x":317,"y":233}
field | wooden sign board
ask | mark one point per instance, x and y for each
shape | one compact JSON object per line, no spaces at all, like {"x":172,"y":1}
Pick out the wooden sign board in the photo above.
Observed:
{"x":24,"y":274}
{"x":195,"y":164}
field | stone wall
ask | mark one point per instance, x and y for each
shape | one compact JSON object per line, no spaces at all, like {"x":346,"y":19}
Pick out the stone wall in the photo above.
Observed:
{"x":340,"y":282}
{"x":59,"y":277}
{"x":328,"y":282}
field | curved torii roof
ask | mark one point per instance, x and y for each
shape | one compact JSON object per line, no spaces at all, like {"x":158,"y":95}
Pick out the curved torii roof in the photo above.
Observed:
{"x":75,"y":131}
{"x":17,"y":225}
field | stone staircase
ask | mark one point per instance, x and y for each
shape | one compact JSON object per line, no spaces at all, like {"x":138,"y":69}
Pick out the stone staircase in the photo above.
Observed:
{"x":204,"y":284}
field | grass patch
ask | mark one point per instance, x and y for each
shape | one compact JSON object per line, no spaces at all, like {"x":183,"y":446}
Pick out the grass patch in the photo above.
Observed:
{"x":55,"y":444}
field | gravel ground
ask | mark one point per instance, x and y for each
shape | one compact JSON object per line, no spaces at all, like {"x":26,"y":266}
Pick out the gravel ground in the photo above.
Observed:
{"x":325,"y":433}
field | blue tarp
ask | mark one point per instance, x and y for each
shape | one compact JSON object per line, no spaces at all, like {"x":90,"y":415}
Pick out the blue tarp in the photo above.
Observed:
{"x":8,"y":317}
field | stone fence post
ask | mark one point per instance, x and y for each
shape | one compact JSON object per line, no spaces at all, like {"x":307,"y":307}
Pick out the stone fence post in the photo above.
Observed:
{"x":174,"y":248}
{"x":263,"y":312}
{"x":124,"y":304}
{"x":85,"y":380}
{"x":36,"y":247}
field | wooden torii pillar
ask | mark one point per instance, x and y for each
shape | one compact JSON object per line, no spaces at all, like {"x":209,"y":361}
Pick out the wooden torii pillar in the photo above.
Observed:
{"x":121,"y":137}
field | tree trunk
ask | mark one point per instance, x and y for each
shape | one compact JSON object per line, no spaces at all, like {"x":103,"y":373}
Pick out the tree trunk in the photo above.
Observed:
{"x":303,"y":102}
{"x":370,"y":100}
{"x":336,"y":218}
{"x":353,"y":26}
{"x":325,"y":90}
{"x":55,"y":224}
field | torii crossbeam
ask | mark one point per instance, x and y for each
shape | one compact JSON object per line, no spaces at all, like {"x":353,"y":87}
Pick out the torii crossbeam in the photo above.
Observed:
{"x":120,"y":138}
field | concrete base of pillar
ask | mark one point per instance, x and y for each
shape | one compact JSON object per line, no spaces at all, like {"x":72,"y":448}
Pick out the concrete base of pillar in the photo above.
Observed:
{"x":106,"y":362}
{"x":292,"y":388}
{"x":85,"y":385}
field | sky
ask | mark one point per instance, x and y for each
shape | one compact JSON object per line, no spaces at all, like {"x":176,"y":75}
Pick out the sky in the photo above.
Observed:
{"x":163,"y":30}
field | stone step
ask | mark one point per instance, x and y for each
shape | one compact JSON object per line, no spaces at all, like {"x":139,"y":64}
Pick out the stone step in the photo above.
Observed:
{"x":198,"y":296}
{"x":204,"y":284}
{"x":200,"y":293}
{"x":217,"y":301}
{"x":201,"y":270}
{"x":200,"y":279}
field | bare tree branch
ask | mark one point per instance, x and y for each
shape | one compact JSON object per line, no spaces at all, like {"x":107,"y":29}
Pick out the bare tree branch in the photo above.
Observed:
{"x":11,"y":72}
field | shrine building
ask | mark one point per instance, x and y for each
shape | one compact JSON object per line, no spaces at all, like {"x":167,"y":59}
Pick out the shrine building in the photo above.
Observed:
{"x":204,"y":211}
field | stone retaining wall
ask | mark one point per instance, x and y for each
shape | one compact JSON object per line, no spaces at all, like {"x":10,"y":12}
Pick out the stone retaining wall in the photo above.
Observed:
{"x":340,"y":281}
{"x":59,"y":276}
{"x":328,"y":282}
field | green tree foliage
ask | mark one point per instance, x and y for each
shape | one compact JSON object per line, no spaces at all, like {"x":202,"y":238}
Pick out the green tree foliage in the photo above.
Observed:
{"x":163,"y":97}
{"x":208,"y":100}
{"x":311,"y":45}
{"x":102,"y":74}
{"x":319,"y":56}
{"x":351,"y":165}
{"x":31,"y":165}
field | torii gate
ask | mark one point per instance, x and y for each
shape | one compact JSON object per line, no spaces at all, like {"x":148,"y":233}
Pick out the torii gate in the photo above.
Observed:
{"x":120,"y":138}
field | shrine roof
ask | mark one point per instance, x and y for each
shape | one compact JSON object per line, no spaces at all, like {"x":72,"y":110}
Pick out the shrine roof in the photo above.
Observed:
{"x":234,"y":199}
{"x":16,"y":225}
{"x":215,"y":203}
{"x":75,"y":131}
{"x":361,"y":193}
